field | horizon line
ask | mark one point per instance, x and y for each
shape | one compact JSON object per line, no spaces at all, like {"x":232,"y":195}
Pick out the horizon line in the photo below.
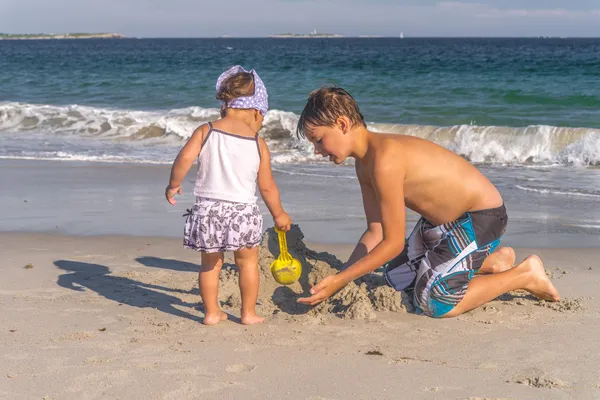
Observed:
{"x":286,"y":35}
{"x":366,"y":36}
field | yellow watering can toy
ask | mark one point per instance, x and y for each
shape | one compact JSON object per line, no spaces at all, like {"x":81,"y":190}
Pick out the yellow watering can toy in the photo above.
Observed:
{"x":285,"y":269}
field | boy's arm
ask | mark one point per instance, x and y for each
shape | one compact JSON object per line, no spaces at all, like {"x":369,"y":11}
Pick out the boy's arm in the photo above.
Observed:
{"x":390,"y":197}
{"x":374,"y":233}
{"x":184,"y":161}
{"x":269,"y":190}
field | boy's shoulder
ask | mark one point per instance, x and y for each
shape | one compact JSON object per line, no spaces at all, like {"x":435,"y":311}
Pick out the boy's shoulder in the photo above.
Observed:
{"x":385,"y":157}
{"x":397,"y":148}
{"x":387,"y":149}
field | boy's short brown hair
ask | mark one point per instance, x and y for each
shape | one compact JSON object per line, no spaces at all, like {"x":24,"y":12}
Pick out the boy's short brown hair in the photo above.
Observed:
{"x":325,"y":106}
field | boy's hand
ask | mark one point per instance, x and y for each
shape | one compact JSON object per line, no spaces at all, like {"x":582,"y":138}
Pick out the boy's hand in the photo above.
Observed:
{"x":323,"y":290}
{"x":283,"y":222}
{"x":171,"y":192}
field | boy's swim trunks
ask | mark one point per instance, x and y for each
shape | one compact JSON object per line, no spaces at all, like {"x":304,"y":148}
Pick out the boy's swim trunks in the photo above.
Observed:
{"x":438,"y":262}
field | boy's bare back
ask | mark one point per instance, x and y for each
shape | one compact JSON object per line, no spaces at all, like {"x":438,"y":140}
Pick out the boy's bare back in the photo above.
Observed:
{"x":438,"y":184}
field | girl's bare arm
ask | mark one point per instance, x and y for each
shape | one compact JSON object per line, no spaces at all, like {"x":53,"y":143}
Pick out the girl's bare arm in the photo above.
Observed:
{"x":184,"y":161}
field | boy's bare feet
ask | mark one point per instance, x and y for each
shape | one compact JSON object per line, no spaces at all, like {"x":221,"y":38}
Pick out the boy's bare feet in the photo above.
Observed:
{"x":540,"y":285}
{"x":210,"y":319}
{"x":252,"y":319}
{"x":500,"y":260}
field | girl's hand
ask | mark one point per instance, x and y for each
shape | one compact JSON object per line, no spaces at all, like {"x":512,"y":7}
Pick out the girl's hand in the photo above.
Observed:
{"x":171,"y":192}
{"x":283,"y":222}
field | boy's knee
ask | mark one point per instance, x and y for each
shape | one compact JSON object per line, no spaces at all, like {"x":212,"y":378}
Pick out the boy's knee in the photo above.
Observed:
{"x":439,"y":309}
{"x":450,"y":314}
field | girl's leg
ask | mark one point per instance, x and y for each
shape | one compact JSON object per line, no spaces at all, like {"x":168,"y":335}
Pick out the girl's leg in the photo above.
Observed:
{"x":500,"y":260}
{"x":529,"y":275}
{"x":247,"y":262}
{"x":208,"y":281}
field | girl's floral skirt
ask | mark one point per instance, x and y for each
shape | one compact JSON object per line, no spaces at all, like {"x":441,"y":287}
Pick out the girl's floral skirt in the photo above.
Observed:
{"x":216,"y":225}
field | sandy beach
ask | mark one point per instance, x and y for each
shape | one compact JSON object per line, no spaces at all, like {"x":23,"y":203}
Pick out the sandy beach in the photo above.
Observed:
{"x":114,"y":317}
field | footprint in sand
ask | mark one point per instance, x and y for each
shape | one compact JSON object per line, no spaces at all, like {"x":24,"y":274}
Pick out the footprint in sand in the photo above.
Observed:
{"x":237,"y":368}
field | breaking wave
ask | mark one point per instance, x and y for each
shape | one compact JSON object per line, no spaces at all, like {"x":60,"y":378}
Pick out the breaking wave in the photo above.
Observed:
{"x":536,"y":144}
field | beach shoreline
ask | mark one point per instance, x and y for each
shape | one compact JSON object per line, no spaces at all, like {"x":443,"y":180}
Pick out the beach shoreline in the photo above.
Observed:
{"x":92,"y":198}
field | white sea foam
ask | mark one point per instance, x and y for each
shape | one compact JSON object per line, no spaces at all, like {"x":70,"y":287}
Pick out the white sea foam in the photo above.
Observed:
{"x":538,"y":145}
{"x":557,"y":192}
{"x":314,"y":174}
{"x":66,"y":156}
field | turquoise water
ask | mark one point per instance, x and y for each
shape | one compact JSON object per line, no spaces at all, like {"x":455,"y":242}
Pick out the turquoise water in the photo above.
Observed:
{"x":506,"y":82}
{"x":507,"y":101}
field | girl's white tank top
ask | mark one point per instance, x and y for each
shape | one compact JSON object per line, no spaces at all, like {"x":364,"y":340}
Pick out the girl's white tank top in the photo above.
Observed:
{"x":228,"y":167}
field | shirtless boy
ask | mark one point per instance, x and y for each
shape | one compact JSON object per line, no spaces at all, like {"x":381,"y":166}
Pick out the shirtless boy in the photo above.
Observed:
{"x":451,"y":262}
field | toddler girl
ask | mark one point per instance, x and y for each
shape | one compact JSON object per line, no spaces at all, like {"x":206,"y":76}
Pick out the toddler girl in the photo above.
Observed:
{"x":232,"y":159}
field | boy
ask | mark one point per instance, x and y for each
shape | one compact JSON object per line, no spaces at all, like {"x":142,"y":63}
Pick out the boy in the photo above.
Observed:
{"x":463,"y":216}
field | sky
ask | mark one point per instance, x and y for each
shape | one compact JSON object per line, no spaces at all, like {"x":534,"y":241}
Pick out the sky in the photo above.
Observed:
{"x":202,"y":18}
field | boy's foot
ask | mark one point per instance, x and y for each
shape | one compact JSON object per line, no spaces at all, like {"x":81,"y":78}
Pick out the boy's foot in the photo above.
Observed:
{"x":500,"y":260}
{"x":252,"y":319}
{"x":210,"y":319}
{"x":540,"y":286}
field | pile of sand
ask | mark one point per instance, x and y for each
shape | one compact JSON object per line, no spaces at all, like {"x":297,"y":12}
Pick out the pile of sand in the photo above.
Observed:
{"x":358,"y":300}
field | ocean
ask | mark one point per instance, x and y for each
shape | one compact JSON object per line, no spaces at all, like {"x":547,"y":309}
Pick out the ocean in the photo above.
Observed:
{"x":525,"y":111}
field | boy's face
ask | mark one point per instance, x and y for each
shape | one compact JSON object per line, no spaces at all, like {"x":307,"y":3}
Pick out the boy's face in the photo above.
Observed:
{"x":330,"y":142}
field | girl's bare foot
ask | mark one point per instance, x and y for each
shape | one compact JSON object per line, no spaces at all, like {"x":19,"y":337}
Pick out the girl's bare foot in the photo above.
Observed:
{"x":210,"y":319}
{"x":252,"y":319}
{"x":540,"y":285}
